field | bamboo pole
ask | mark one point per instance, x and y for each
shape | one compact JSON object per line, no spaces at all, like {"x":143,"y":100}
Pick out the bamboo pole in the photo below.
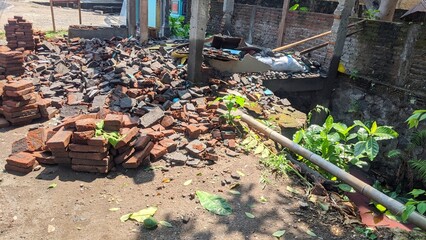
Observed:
{"x":310,"y":38}
{"x":53,"y":16}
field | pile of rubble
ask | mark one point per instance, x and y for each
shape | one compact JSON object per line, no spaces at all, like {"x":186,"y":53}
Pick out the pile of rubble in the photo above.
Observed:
{"x":19,"y":33}
{"x":143,"y":101}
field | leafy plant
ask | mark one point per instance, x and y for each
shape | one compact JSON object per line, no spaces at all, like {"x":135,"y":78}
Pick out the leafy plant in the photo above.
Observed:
{"x":367,"y":232}
{"x":232,"y":103}
{"x":297,"y":6}
{"x":112,"y":137}
{"x":341,"y":144}
{"x":214,"y":203}
{"x":414,"y":204}
{"x":178,"y":27}
{"x":371,"y":14}
{"x":418,"y":139}
{"x":417,"y":116}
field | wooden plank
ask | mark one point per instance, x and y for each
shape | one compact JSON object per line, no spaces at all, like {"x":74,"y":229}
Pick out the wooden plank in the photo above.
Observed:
{"x":281,"y":30}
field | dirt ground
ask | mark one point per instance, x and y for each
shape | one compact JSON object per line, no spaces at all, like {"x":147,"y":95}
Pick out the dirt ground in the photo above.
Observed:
{"x":78,"y":207}
{"x":41,"y":17}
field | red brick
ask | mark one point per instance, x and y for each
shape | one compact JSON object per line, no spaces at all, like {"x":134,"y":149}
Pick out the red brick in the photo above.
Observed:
{"x":211,"y":156}
{"x":97,"y":141}
{"x":124,"y":156}
{"x":17,"y":104}
{"x":139,"y":157}
{"x":156,"y":136}
{"x":127,"y":137}
{"x":103,"y":162}
{"x":113,"y":122}
{"x":19,"y":109}
{"x":193,"y":131}
{"x":60,"y":140}
{"x":92,"y":169}
{"x":88,"y":124}
{"x":169,"y":144}
{"x":168,"y":132}
{"x":216,"y":134}
{"x":18,"y":85}
{"x":167,"y":121}
{"x":82,"y":137}
{"x":130,"y":122}
{"x":158,"y":127}
{"x":21,"y":159}
{"x":145,"y":131}
{"x":24,"y":119}
{"x":232,"y":144}
{"x":141,"y":142}
{"x":13,"y":168}
{"x":87,"y":148}
{"x":91,"y":156}
{"x":62,"y":160}
{"x":212,"y":143}
{"x":44,"y":158}
{"x":19,"y":93}
{"x":157,"y":152}
{"x":228,"y":135}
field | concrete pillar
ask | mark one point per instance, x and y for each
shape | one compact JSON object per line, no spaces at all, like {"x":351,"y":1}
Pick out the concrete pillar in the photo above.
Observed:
{"x":143,"y":21}
{"x":228,"y":11}
{"x":131,"y":17}
{"x":338,"y":35}
{"x":281,"y":29}
{"x":165,"y":12}
{"x":199,"y":18}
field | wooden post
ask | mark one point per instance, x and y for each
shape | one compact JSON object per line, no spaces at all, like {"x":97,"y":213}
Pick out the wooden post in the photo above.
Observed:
{"x":131,"y":17}
{"x":281,"y":29}
{"x":165,"y":12}
{"x":228,"y":11}
{"x":143,"y":21}
{"x":199,"y":18}
{"x":79,"y":10}
{"x":53,"y":16}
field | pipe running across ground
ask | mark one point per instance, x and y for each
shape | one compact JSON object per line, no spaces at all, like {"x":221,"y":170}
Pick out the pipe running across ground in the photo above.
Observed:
{"x":394,"y":206}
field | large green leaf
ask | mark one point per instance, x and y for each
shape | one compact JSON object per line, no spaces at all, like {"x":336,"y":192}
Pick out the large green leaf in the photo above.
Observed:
{"x":359,"y":148}
{"x":214,"y":203}
{"x":371,"y":148}
{"x":407,"y":212}
{"x":417,"y":192}
{"x":298,"y":136}
{"x":421,"y":207}
{"x":329,"y":122}
{"x":384,"y":133}
{"x":362,"y":125}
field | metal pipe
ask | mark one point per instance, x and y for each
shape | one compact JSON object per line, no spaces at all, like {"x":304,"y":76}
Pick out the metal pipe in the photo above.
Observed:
{"x":394,"y":206}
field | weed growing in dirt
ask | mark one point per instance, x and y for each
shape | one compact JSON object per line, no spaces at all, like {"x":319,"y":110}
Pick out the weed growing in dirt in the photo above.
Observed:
{"x":232,"y":103}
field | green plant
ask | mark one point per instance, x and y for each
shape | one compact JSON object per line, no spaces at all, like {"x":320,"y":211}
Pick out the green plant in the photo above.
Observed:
{"x":417,"y":116}
{"x":417,"y":139}
{"x":414,"y":204}
{"x":367,"y":232}
{"x":112,"y":137}
{"x":354,"y":75}
{"x":232,"y":103}
{"x":178,"y":27}
{"x":371,"y":14}
{"x":297,"y":6}
{"x":341,"y":144}
{"x":53,"y":34}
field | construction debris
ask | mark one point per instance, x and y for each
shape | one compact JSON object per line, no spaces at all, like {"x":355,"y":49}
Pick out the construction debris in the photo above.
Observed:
{"x":19,"y":33}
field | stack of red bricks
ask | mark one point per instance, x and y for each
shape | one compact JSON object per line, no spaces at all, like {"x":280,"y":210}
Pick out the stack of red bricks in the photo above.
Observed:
{"x":20,"y":102}
{"x":87,"y":152}
{"x":19,"y":33}
{"x":11,"y":63}
{"x":21,"y":162}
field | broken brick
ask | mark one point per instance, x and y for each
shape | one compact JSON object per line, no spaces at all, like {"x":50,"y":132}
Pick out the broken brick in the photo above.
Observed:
{"x":87,"y":148}
{"x":157,"y":152}
{"x":193,"y":132}
{"x":97,"y":141}
{"x":169,"y":144}
{"x":127,"y":137}
{"x":21,"y":159}
{"x":60,"y":140}
{"x":44,"y":158}
{"x":139,"y":157}
{"x":88,"y":124}
{"x":124,"y":156}
{"x":167,"y":121}
{"x":141,"y":142}
{"x":82,"y":137}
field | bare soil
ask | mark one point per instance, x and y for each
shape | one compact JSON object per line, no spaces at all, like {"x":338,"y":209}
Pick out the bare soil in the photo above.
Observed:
{"x":78,"y":207}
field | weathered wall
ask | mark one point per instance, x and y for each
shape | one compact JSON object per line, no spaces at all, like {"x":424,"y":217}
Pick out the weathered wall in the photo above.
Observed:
{"x":259,"y":25}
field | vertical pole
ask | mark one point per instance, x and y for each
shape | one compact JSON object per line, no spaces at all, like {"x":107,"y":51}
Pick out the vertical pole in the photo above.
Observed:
{"x":53,"y":16}
{"x":228,"y":11}
{"x":131,"y":17}
{"x":281,"y":29}
{"x":335,"y":48}
{"x":79,"y":10}
{"x":143,"y":21}
{"x":199,"y":18}
{"x":165,"y":12}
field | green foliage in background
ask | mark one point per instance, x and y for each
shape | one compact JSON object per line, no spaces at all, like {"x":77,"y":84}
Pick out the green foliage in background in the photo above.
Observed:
{"x":178,"y":27}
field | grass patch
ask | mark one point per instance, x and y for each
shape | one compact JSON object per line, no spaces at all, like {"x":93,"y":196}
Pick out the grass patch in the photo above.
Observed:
{"x":59,"y":33}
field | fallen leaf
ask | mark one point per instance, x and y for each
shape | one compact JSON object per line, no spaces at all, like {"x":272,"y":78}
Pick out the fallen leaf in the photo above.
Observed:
{"x":214,"y":203}
{"x":310,"y":233}
{"x":234,"y":185}
{"x":324,"y":206}
{"x":279,"y":233}
{"x":139,"y":216}
{"x":263,"y":199}
{"x":188,"y":182}
{"x":53,"y":185}
{"x":166,"y":224}
{"x":240,"y":173}
{"x":114,"y":209}
{"x":249,"y":215}
{"x":235,"y":192}
{"x":125,"y":217}
{"x":166,"y":180}
{"x":150,"y":223}
{"x":50,"y":228}
{"x":292,"y":190}
{"x":346,"y":188}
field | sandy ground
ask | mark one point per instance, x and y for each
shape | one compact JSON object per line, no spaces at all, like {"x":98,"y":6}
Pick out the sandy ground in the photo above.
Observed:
{"x":41,"y":17}
{"x":78,"y":207}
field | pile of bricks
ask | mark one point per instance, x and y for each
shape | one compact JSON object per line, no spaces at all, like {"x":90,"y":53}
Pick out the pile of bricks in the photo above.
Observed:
{"x":19,"y":33}
{"x":20,"y":102}
{"x":21,"y":162}
{"x":11,"y":63}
